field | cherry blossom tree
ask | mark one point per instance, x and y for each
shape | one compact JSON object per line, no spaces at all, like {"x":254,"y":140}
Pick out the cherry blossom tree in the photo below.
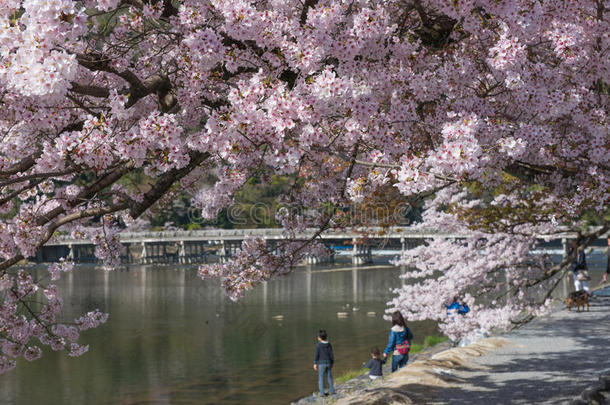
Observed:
{"x":495,"y":112}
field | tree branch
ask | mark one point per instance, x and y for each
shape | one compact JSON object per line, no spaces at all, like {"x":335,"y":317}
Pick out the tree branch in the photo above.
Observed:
{"x":138,"y":89}
{"x":308,"y":4}
{"x":527,"y":172}
{"x":23,"y":165}
{"x":89,"y":90}
{"x":164,"y":183}
{"x":87,"y":194}
{"x":567,"y":261}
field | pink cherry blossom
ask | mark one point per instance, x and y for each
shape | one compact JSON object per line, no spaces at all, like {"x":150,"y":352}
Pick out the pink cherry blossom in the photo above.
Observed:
{"x":494,"y":113}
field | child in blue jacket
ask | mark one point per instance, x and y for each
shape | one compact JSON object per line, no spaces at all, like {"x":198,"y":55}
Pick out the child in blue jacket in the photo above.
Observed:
{"x":323,"y":361}
{"x":375,"y":364}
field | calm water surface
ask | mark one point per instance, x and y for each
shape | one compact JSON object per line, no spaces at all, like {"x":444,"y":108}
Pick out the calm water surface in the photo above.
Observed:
{"x":174,"y":339}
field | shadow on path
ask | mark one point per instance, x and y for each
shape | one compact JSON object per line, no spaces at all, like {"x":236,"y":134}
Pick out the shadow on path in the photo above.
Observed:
{"x":551,"y":360}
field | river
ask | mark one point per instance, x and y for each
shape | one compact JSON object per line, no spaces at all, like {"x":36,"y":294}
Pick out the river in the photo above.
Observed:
{"x":172,"y":338}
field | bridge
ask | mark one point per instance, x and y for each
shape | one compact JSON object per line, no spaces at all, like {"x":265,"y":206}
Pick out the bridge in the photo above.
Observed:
{"x":266,"y":234}
{"x":202,"y":246}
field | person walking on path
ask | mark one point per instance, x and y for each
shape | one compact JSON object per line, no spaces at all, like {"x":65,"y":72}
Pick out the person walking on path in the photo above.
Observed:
{"x":323,"y":360}
{"x":605,"y":277}
{"x":399,"y":334}
{"x":375,"y":364}
{"x":580,"y":270}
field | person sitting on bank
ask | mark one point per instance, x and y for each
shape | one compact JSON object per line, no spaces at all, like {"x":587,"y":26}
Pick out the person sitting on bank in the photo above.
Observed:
{"x":457,"y":306}
{"x":399,"y":334}
{"x":375,"y":364}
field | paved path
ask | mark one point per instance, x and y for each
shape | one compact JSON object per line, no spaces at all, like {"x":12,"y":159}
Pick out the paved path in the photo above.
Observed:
{"x":549,"y":361}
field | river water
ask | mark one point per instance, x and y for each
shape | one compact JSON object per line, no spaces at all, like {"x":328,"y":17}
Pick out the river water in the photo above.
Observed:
{"x":172,"y":338}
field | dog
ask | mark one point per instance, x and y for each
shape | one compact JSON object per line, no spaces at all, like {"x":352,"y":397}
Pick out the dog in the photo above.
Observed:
{"x":577,"y":299}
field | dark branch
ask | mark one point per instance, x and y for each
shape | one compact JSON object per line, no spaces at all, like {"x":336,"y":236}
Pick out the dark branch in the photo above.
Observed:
{"x":308,"y":4}
{"x":583,"y":242}
{"x":86,"y":194}
{"x":527,"y":172}
{"x":165,"y":183}
{"x":138,"y":89}
{"x":168,"y":9}
{"x":88,"y":90}
{"x":23,"y":165}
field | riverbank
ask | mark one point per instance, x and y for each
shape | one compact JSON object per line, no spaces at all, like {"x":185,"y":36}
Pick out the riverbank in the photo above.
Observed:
{"x":358,"y":381}
{"x":416,"y":349}
{"x":556,"y":358}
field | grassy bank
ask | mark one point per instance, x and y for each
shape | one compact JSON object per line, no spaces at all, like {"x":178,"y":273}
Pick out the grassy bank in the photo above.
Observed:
{"x":429,"y":341}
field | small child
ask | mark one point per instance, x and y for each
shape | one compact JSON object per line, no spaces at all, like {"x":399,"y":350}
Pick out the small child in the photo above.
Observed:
{"x":323,"y":360}
{"x":375,"y":364}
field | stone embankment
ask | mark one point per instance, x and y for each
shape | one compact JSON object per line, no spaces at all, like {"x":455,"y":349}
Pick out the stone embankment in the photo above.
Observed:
{"x":431,"y":368}
{"x":560,"y":358}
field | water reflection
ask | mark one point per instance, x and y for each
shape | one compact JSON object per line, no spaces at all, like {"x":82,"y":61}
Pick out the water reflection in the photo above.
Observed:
{"x":172,"y":338}
{"x":355,"y":285}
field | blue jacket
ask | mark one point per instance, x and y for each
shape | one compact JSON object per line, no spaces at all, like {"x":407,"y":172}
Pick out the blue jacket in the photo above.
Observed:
{"x":398,"y":334}
{"x":375,"y":366}
{"x":323,"y":353}
{"x":461,"y":308}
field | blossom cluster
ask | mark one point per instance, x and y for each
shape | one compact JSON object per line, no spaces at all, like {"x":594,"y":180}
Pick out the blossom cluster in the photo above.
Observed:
{"x":24,"y":337}
{"x":506,"y":100}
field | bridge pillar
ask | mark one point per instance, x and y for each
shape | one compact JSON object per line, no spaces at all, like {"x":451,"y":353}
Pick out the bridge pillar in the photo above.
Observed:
{"x":355,"y":286}
{"x":143,"y":254}
{"x":331,"y":254}
{"x":312,"y":259}
{"x":204,"y":254}
{"x":127,"y":256}
{"x":181,"y":252}
{"x":403,"y":246}
{"x":234,"y":248}
{"x":224,"y":254}
{"x":361,"y":254}
{"x":192,"y":250}
{"x":355,"y":257}
{"x":566,"y":247}
{"x":359,"y":258}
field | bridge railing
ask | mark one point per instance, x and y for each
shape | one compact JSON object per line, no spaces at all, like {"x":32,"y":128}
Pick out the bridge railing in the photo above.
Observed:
{"x":278,"y":233}
{"x":264,"y":233}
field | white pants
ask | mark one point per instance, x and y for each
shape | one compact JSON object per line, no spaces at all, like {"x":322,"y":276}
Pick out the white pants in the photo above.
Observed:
{"x":581,"y":285}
